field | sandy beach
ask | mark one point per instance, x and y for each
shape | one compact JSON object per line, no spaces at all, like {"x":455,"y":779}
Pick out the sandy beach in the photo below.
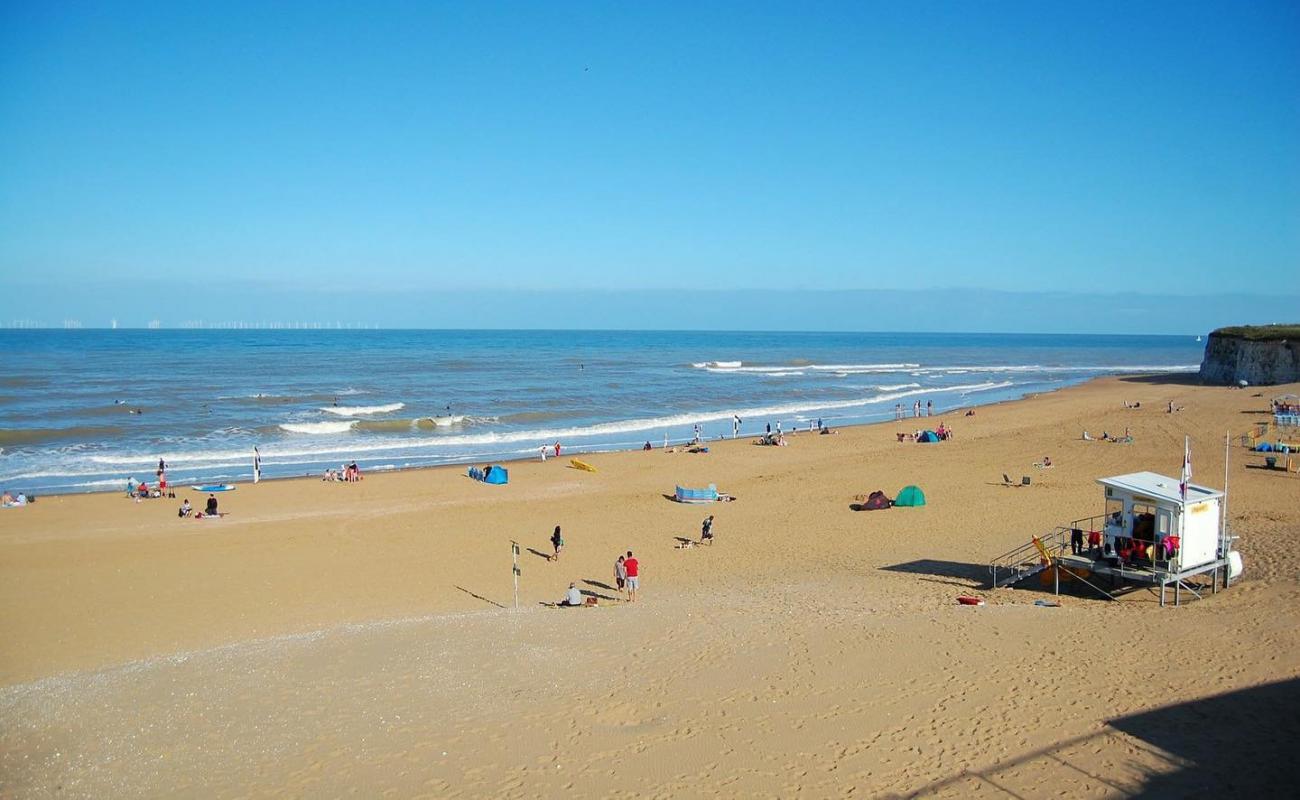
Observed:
{"x":326,"y":639}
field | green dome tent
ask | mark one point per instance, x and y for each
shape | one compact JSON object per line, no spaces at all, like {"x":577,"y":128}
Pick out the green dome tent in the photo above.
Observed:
{"x":910,"y":496}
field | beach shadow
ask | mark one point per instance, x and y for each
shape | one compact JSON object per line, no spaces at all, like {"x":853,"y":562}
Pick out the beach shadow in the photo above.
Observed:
{"x":1230,"y":745}
{"x":1267,"y":468}
{"x":480,"y":597}
{"x":599,"y":585}
{"x":976,"y":574}
{"x":671,"y":497}
{"x":684,"y":540}
{"x":540,"y":554}
{"x":1270,"y":413}
{"x":590,"y":593}
{"x":1166,"y":379}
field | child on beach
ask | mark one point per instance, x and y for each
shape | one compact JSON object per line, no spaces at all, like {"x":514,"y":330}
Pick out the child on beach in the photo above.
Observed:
{"x":620,"y":574}
{"x":557,"y":541}
{"x":185,"y":509}
{"x":706,"y":530}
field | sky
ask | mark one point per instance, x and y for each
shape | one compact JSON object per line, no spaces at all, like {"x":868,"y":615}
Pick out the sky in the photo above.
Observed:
{"x":236,"y":152}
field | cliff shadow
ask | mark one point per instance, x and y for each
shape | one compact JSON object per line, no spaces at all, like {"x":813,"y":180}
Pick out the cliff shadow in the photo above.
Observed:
{"x":1166,"y":379}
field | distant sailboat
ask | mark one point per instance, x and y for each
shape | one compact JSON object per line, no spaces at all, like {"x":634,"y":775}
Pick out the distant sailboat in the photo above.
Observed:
{"x":1198,"y":338}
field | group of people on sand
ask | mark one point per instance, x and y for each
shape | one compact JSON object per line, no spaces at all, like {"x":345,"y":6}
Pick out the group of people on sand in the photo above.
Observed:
{"x":555,"y":449}
{"x":347,"y":473}
{"x":210,"y":510}
{"x":143,"y":491}
{"x":1106,"y":436}
{"x":14,"y":501}
{"x":627,"y":574}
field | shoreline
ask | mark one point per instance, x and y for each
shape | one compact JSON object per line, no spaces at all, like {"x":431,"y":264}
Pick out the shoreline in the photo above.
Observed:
{"x":577,"y":450}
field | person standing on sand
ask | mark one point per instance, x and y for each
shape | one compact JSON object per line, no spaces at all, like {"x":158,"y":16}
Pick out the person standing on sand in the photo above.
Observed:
{"x":633,"y":569}
{"x":916,"y":409}
{"x":706,"y":530}
{"x":557,"y":541}
{"x":769,"y":429}
{"x":557,"y":449}
{"x":898,"y":410}
{"x":543,"y":454}
{"x":620,"y":574}
{"x":929,"y":408}
{"x":735,"y":425}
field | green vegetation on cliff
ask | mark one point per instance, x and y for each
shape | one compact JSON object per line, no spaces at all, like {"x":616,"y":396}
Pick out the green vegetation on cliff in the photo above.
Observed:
{"x":1260,"y":333}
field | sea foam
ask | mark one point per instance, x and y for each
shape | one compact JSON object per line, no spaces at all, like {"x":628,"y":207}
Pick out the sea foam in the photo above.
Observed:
{"x":352,"y":411}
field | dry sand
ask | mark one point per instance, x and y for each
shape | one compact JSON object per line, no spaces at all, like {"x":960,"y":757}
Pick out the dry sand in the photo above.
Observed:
{"x":328,"y":639}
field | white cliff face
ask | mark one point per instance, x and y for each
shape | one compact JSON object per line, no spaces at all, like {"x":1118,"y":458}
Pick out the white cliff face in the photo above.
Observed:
{"x":1229,"y":359}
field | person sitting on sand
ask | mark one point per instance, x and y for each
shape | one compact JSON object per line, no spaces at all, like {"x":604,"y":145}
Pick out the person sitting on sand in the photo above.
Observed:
{"x":142,"y":491}
{"x":185,"y":509}
{"x":211,"y":509}
{"x":571,"y":598}
{"x":20,"y":500}
{"x":7,"y":500}
{"x":647,"y":447}
{"x":557,"y":541}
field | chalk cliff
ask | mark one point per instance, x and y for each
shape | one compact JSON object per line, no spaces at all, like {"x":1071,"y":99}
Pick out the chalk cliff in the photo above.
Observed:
{"x":1258,"y":355}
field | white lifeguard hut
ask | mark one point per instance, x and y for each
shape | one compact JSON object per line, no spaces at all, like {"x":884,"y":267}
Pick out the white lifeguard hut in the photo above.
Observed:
{"x":1152,"y":533}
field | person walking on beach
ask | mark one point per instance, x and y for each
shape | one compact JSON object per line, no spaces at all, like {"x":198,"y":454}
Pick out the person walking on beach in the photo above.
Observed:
{"x":898,"y":410}
{"x":706,"y":530}
{"x":735,"y":425}
{"x":769,"y":429}
{"x":778,"y":428}
{"x":557,"y":541}
{"x":620,"y":574}
{"x":633,"y":569}
{"x":916,"y":409}
{"x":557,"y":449}
{"x":929,"y":408}
{"x":697,"y":433}
{"x":543,"y":454}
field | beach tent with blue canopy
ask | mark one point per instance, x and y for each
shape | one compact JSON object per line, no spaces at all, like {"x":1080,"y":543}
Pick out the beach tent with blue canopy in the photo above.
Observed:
{"x":497,"y":475}
{"x":910,"y":496}
{"x":928,"y":436}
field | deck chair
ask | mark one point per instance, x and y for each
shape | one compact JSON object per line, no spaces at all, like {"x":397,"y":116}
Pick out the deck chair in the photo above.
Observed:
{"x":1006,"y":480}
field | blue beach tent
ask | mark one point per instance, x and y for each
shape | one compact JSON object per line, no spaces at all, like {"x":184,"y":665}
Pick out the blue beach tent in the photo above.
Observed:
{"x":498,"y":475}
{"x":928,"y":436}
{"x":709,"y":495}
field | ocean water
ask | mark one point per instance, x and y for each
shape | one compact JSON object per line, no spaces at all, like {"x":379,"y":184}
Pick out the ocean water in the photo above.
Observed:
{"x":315,"y":399}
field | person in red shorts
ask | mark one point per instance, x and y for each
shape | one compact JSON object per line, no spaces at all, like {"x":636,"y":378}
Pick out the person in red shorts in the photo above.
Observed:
{"x":633,"y":568}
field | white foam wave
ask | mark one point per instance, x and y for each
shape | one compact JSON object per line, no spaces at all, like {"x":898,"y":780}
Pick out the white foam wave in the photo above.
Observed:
{"x":358,"y":449}
{"x":352,"y":411}
{"x":717,"y":364}
{"x":893,"y":387}
{"x":317,"y":428}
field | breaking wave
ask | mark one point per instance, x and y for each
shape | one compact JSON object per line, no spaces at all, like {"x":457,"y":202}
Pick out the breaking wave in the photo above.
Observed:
{"x":353,"y":411}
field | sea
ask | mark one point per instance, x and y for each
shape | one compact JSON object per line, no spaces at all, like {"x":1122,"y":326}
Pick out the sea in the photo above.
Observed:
{"x":83,"y":410}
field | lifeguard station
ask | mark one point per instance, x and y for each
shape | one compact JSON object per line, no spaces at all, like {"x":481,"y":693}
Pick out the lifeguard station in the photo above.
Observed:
{"x":1150,"y":534}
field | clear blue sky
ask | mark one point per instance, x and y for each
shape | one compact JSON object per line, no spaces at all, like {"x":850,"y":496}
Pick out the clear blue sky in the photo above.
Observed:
{"x":1091,"y":146}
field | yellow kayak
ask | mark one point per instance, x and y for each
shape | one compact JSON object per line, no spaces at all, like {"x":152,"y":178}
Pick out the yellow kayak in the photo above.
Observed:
{"x":582,"y":465}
